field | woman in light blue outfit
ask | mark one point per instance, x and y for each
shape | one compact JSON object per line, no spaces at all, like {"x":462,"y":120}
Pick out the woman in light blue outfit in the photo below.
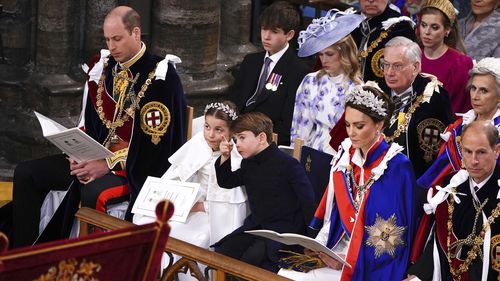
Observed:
{"x":319,"y":103}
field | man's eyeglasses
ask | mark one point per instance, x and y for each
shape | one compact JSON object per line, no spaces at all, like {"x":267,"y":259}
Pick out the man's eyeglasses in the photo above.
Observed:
{"x":395,"y":66}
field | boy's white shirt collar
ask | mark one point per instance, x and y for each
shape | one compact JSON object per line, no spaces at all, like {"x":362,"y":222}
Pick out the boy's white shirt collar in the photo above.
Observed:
{"x":275,"y":58}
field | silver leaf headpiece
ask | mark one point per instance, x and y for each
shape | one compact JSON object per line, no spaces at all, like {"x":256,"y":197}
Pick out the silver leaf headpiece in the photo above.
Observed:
{"x":222,"y":107}
{"x":367,"y":99}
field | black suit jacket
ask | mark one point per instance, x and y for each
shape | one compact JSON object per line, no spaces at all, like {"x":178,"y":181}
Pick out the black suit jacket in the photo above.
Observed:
{"x":277,"y":105}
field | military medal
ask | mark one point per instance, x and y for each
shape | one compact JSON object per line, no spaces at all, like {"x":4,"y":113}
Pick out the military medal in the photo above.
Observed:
{"x":273,"y":82}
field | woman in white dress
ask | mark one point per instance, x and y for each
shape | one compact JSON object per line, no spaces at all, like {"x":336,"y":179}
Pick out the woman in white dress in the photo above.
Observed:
{"x":218,"y":211}
{"x":319,"y":103}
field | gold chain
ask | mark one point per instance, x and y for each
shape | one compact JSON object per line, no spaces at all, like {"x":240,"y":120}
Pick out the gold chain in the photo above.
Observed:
{"x":373,"y":44}
{"x":119,"y":120}
{"x":476,"y":241}
{"x":407,"y":116}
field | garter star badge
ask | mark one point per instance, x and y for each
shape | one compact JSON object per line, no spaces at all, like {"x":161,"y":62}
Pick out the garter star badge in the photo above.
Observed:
{"x":428,"y":137}
{"x":155,"y":118}
{"x":385,"y":236}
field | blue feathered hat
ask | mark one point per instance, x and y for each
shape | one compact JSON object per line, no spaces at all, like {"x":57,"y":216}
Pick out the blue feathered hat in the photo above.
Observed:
{"x":327,"y":30}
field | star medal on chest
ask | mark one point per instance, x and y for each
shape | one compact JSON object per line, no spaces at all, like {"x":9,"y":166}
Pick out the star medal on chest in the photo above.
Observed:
{"x":273,"y":82}
{"x":385,"y":236}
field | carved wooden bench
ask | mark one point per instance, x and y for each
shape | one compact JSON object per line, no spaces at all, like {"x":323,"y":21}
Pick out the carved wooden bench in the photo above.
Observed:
{"x":191,"y":255}
{"x":5,"y":192}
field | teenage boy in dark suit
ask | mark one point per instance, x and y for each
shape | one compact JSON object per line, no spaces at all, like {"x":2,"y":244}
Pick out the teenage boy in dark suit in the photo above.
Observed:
{"x":267,"y":81}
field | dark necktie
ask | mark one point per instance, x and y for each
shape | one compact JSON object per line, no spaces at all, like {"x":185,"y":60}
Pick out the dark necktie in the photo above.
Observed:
{"x":401,"y":100}
{"x":365,"y":30}
{"x":262,"y":81}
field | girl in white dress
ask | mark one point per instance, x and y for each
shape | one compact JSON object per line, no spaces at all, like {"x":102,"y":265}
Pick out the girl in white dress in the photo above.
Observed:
{"x":218,"y":211}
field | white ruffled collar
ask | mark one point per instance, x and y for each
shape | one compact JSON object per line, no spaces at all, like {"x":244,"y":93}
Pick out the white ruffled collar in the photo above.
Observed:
{"x":341,"y":162}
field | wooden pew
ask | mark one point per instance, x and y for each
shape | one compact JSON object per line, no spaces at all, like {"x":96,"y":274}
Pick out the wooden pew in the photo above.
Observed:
{"x":5,"y":192}
{"x":191,"y":254}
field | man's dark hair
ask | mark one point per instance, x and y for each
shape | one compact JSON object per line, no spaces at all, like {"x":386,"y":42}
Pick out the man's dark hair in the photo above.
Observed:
{"x":280,"y":14}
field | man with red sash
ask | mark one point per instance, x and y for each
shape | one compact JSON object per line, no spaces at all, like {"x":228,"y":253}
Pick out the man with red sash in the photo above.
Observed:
{"x":135,"y":106}
{"x":465,"y":241}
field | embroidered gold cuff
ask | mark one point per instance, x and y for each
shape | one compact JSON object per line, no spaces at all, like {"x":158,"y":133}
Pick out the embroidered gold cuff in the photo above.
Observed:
{"x":120,"y":156}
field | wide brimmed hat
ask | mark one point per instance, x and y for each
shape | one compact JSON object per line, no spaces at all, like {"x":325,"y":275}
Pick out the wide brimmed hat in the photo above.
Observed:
{"x":327,"y":30}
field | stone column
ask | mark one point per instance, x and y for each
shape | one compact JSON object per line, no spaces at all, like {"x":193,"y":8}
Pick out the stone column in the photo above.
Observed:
{"x":55,"y":36}
{"x":190,"y":30}
{"x":235,"y":31}
{"x":94,"y":18}
{"x":16,"y":28}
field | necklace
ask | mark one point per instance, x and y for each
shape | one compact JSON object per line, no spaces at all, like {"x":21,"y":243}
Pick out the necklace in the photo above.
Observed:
{"x":473,"y":240}
{"x":406,"y":119}
{"x":360,"y":189}
{"x":119,"y":119}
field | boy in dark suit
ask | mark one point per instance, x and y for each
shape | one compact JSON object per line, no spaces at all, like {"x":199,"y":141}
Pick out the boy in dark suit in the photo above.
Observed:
{"x":279,"y":194}
{"x":268,"y":81}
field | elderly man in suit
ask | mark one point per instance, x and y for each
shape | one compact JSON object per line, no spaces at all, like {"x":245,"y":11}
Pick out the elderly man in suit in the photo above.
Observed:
{"x":422,"y":107}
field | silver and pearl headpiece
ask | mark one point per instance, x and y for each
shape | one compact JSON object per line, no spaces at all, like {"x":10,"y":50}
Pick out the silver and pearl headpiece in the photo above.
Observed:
{"x":366,"y":98}
{"x":222,"y":107}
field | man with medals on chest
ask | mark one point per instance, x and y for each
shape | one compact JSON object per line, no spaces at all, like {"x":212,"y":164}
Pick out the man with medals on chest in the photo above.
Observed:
{"x":465,"y":240}
{"x":422,"y":107}
{"x":135,"y":106}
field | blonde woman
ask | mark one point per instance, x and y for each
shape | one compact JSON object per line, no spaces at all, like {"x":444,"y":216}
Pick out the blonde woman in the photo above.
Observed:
{"x":319,"y":103}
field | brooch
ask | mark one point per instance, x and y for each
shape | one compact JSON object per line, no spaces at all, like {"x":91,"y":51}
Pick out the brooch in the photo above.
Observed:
{"x":385,"y":236}
{"x":155,"y":118}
